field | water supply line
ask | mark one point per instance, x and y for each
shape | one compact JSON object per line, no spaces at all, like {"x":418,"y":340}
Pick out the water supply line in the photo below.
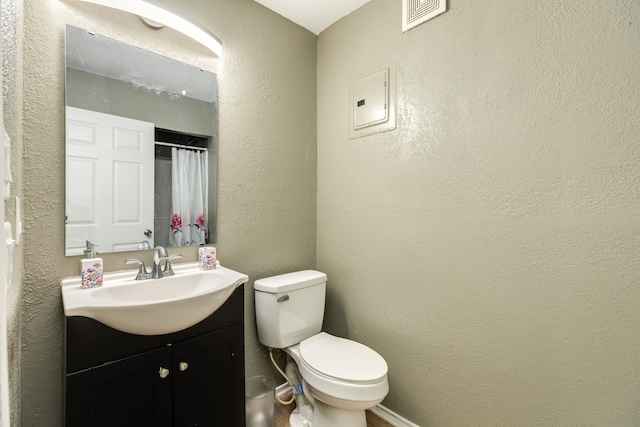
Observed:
{"x":293,"y":394}
{"x":304,"y":398}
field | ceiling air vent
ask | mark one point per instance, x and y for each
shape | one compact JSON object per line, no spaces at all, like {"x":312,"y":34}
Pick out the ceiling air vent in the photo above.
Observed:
{"x":415,"y":12}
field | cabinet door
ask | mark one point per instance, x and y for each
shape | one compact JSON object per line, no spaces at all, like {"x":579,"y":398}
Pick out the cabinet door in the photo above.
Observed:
{"x":209,"y":380}
{"x":127,"y":392}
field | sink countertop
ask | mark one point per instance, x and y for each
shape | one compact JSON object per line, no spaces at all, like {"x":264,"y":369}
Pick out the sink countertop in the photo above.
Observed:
{"x":152,"y":306}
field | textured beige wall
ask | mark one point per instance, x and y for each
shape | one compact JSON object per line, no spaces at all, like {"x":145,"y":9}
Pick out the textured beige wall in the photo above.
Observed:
{"x":489,"y":247}
{"x":12,"y":99}
{"x":267,"y":163}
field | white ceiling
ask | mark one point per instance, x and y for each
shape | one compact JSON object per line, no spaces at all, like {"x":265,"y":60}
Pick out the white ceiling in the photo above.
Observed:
{"x":314,"y":15}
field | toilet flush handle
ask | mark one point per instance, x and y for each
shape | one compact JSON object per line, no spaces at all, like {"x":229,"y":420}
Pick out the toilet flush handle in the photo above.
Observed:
{"x":283,"y":298}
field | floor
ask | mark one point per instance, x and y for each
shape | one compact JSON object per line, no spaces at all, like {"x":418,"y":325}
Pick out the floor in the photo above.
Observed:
{"x":282,"y":417}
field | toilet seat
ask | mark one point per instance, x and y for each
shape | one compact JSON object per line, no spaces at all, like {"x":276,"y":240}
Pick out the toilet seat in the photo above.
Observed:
{"x":341,"y":359}
{"x":341,"y":372}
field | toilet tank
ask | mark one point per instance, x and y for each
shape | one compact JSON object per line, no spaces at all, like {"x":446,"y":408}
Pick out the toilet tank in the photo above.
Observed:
{"x":289,"y":307}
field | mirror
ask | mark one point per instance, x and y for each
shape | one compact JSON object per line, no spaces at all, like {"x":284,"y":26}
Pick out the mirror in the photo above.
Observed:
{"x":141,"y":148}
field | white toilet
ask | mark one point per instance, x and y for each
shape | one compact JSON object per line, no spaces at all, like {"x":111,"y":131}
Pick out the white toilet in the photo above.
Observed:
{"x":343,"y":377}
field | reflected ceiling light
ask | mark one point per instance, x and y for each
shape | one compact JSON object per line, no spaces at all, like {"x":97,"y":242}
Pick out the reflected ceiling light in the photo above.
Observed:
{"x":156,"y":13}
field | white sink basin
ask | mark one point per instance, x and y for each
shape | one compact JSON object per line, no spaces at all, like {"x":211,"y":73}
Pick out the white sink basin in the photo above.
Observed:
{"x":152,"y":306}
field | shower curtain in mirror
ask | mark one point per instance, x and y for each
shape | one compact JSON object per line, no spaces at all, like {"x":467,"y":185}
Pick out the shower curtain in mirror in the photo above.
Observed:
{"x":188,"y":197}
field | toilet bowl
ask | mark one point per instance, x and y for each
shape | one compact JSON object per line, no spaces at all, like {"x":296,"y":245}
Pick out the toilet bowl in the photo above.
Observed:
{"x":343,"y":377}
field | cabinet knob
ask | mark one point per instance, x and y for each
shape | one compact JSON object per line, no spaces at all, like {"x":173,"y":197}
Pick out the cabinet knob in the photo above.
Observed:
{"x":164,"y":372}
{"x":183,"y":366}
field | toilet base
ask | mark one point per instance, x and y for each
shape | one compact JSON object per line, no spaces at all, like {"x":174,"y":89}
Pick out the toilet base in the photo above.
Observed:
{"x":297,"y":420}
{"x":329,"y":416}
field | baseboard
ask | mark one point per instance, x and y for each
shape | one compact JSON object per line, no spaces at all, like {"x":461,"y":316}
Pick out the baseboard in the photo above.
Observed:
{"x":391,"y":417}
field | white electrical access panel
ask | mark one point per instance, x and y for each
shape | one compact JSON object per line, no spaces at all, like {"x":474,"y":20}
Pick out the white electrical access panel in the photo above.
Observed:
{"x":372,"y":102}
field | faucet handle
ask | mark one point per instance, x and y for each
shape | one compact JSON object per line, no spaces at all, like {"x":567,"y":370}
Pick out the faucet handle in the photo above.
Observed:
{"x":168,"y":271}
{"x":142,"y":270}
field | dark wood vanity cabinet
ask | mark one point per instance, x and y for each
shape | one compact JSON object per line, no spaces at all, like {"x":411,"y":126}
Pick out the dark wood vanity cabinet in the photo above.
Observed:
{"x":193,"y":377}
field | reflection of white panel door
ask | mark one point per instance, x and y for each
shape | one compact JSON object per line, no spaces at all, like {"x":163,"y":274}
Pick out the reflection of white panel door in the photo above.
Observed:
{"x":109,"y":193}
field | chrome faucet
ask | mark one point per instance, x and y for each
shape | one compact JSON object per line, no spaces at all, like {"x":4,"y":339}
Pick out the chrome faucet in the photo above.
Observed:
{"x":159,"y":254}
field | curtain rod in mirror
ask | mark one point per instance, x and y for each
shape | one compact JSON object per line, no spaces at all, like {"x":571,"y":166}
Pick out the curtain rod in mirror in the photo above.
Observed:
{"x":155,"y":13}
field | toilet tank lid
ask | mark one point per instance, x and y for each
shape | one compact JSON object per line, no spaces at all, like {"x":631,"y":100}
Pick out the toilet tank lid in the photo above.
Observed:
{"x":290,"y":281}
